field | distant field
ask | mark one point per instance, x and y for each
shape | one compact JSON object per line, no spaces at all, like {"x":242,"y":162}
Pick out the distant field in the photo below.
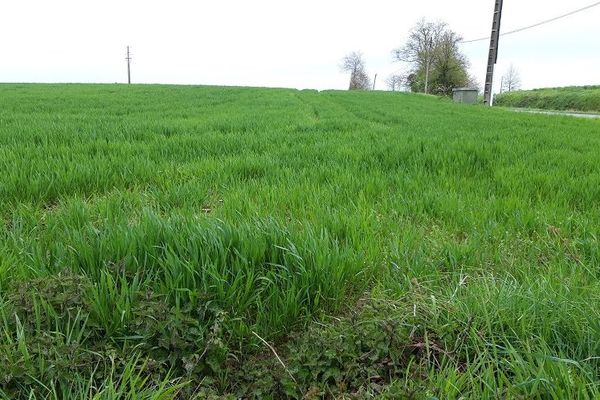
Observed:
{"x":153,"y":238}
{"x":576,"y":98}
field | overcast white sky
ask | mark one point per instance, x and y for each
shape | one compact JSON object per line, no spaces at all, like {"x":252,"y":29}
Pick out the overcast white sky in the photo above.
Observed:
{"x":278,"y":43}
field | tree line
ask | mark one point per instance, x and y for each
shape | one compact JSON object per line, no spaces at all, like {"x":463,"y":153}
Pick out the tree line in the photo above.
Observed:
{"x":435,"y":63}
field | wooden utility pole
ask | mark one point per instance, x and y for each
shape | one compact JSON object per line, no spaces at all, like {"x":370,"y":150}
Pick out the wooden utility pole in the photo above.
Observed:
{"x":374,"y":81}
{"x":128,"y":58}
{"x":493,"y":55}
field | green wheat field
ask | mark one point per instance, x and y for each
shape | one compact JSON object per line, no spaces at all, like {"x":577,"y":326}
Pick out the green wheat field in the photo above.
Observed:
{"x":178,"y":242}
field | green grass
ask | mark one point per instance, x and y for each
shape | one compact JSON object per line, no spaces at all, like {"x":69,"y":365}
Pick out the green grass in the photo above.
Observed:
{"x":385,"y":244}
{"x":575,"y":98}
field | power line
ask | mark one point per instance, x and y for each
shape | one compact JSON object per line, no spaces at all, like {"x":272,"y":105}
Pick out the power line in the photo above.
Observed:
{"x":537,"y":24}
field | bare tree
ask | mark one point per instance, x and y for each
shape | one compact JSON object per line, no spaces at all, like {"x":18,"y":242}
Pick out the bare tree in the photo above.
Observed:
{"x":355,"y":64}
{"x":394,"y":82}
{"x":420,"y":47}
{"x":511,"y":80}
{"x":474,"y":83}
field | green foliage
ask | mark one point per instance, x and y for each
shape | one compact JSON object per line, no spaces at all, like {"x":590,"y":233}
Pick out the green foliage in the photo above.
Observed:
{"x":150,"y":235}
{"x":582,"y":98}
{"x":431,"y":349}
{"x":437,"y":65}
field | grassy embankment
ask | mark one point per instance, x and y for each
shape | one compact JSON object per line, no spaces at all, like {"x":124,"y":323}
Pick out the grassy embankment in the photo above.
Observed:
{"x":577,"y":98}
{"x":384,"y":243}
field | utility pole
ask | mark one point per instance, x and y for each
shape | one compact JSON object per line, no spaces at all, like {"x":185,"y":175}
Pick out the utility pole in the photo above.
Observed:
{"x":374,"y":81}
{"x":128,"y":58}
{"x":493,"y":55}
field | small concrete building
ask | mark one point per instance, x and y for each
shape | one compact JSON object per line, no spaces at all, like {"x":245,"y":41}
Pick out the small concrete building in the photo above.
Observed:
{"x":465,"y":95}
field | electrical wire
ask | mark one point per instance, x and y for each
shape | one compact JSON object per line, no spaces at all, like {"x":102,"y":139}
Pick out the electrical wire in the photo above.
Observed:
{"x":536,"y":25}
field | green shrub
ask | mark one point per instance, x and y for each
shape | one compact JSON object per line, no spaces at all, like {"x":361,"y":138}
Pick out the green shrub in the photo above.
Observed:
{"x":583,"y":98}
